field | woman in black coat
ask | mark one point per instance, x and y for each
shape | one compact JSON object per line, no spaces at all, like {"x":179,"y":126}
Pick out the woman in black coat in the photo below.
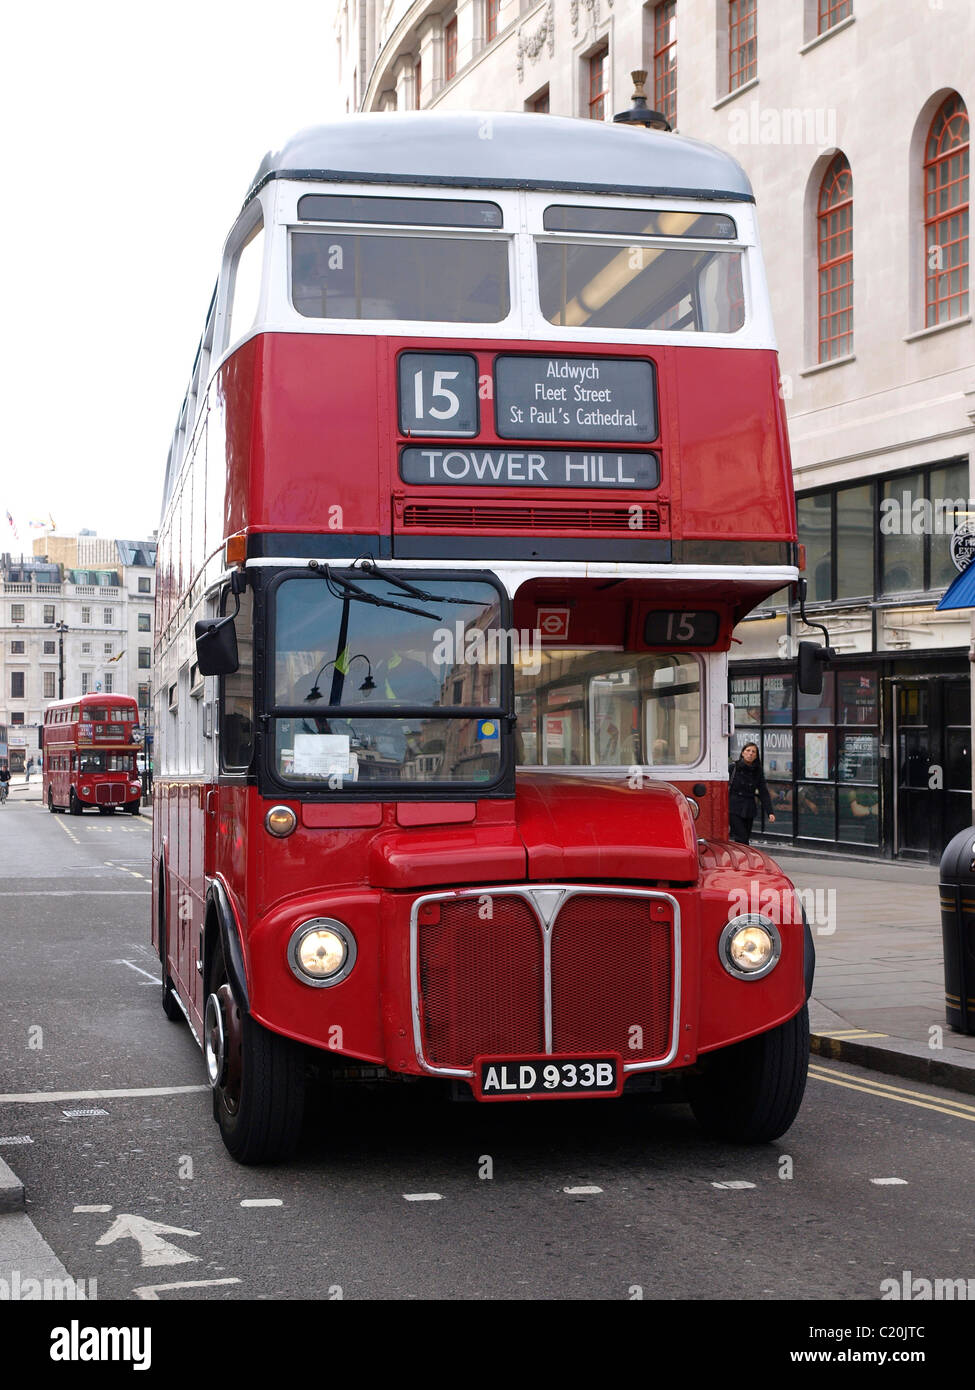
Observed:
{"x":747,"y":782}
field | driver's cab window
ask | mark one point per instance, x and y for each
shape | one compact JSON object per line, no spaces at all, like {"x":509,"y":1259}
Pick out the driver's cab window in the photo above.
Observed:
{"x":237,"y":690}
{"x":598,"y":708}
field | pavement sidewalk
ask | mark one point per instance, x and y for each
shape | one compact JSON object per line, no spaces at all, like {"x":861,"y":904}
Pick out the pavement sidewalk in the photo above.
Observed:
{"x":879,"y":997}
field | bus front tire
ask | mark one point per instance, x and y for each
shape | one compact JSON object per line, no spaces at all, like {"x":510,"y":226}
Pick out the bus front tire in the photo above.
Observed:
{"x":259,"y":1093}
{"x":50,"y":800}
{"x":170,"y":1005}
{"x":75,"y":807}
{"x":750,"y":1093}
{"x":133,"y":808}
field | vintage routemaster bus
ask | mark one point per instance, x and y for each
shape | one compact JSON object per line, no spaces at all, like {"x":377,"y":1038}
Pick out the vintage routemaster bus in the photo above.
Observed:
{"x":481,"y":459}
{"x":91,"y":746}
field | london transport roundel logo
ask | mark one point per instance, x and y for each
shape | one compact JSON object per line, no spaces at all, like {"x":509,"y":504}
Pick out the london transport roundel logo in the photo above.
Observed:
{"x":963,"y":544}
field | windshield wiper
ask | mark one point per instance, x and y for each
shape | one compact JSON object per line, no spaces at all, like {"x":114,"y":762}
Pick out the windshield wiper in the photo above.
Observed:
{"x":370,"y":566}
{"x":345,"y":589}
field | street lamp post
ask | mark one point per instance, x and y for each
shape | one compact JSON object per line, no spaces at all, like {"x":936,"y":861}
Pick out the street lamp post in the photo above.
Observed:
{"x":61,"y":628}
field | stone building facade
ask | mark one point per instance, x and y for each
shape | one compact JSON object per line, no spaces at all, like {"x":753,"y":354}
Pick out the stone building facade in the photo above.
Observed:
{"x":75,"y":618}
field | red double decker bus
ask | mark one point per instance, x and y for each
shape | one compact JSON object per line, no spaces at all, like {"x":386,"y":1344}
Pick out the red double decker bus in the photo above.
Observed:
{"x":91,"y":747}
{"x":481,"y":459}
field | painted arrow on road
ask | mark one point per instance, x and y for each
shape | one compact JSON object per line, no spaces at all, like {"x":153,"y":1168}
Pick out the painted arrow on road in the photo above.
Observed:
{"x":153,"y":1249}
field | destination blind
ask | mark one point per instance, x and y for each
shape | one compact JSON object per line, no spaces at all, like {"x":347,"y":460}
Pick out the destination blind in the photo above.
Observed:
{"x":606,"y":399}
{"x":487,"y":467}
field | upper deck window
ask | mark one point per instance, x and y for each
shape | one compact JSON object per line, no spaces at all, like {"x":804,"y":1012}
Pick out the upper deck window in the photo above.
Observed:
{"x":416,"y":212}
{"x":432,"y":279}
{"x":639,"y":222}
{"x":640,"y":287}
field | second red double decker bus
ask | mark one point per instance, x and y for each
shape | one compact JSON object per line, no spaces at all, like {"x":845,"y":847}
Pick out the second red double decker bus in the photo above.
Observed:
{"x":481,"y":460}
{"x":91,"y":746}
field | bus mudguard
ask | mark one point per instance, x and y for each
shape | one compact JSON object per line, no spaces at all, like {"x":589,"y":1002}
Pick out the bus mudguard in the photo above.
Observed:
{"x":230,"y":940}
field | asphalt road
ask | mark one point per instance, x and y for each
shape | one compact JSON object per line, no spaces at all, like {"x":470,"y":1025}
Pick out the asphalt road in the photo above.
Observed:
{"x":402,"y":1194}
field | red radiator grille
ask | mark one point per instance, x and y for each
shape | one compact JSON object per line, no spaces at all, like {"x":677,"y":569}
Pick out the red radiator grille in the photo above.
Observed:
{"x":477,"y":516}
{"x":482,"y":985}
{"x":107,"y":793}
{"x":481,"y":982}
{"x":611,"y":974}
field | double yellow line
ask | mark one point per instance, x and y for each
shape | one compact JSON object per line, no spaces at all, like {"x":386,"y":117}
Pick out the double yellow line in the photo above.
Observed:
{"x":961,"y":1110}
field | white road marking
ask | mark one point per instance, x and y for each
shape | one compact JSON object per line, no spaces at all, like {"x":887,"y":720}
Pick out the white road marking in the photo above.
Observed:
{"x":82,"y":893}
{"x":70,"y":833}
{"x":580,"y":1191}
{"x":262,"y":1202}
{"x":151,"y":1292}
{"x":733,"y":1186}
{"x":148,"y":1234}
{"x":41,"y":1097}
{"x":76,"y":1114}
{"x":154,"y":978}
{"x":889,"y":1182}
{"x":16,"y":1139}
{"x":422,"y":1197}
{"x":93,"y":1210}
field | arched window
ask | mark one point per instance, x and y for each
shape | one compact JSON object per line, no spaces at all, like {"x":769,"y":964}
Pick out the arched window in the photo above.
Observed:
{"x":835,"y":224}
{"x":946,"y":213}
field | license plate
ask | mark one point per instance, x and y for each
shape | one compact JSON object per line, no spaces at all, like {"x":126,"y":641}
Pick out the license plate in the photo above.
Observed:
{"x":529,"y":1078}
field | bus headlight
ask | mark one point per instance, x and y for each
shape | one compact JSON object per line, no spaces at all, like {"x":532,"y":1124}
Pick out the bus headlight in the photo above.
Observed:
{"x":750,"y":946}
{"x":321,"y":952}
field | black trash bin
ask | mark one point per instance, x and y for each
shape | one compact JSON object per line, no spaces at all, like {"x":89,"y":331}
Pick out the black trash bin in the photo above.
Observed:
{"x":958,"y":930}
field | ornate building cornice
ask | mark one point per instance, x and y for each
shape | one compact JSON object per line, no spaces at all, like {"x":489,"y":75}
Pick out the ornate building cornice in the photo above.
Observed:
{"x":591,"y":8}
{"x":531,"y":45}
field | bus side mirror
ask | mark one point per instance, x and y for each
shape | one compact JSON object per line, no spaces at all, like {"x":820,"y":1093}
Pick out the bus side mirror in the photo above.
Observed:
{"x":216,"y":647}
{"x":812,"y":660}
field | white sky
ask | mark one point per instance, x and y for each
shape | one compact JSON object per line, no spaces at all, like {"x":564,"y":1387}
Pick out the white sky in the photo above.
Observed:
{"x":131,"y":133}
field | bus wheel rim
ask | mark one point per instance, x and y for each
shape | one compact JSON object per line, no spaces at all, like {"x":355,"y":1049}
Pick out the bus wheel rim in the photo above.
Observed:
{"x":224,"y":1041}
{"x":214,"y":1049}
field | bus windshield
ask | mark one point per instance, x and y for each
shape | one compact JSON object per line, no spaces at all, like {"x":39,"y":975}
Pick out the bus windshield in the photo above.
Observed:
{"x":106,"y":762}
{"x":609,"y":709}
{"x":343,"y":668}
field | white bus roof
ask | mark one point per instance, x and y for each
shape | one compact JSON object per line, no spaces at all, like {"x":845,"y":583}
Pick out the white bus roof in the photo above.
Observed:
{"x":506,"y":150}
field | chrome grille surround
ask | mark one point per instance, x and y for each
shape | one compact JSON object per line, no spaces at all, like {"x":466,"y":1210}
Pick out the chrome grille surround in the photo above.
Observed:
{"x":545,"y":901}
